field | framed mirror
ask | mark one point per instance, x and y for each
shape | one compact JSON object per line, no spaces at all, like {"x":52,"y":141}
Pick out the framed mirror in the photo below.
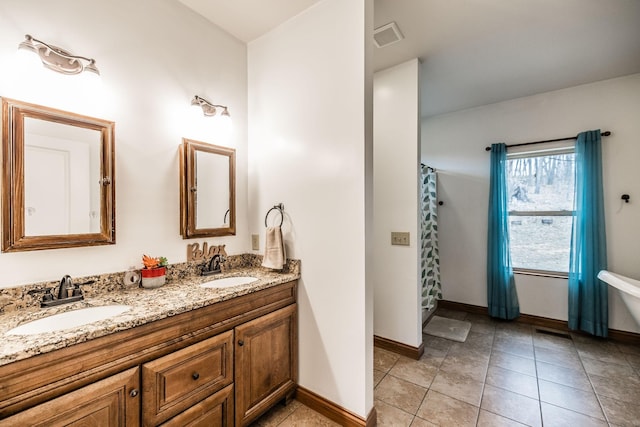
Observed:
{"x":58,"y":187}
{"x":207,"y":190}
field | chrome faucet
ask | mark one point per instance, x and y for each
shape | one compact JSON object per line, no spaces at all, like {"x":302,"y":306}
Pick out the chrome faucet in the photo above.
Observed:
{"x":67,"y":292}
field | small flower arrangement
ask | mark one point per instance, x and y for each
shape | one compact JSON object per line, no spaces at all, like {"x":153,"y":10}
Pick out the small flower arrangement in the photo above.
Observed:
{"x":154,"y":271}
{"x":150,"y":262}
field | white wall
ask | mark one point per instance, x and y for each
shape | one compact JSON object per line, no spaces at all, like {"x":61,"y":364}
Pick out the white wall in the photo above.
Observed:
{"x":309,"y":146}
{"x":154,"y":56}
{"x":396,"y":184}
{"x":454,"y":143}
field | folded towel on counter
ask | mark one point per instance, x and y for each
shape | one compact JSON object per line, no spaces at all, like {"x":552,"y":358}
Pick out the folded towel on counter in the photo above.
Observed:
{"x":274,"y":256}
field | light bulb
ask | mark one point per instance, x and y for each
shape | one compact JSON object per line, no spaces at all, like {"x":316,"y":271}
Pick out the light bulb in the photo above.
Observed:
{"x":223,"y":126}
{"x":196,"y":111}
{"x":90,"y":77}
{"x":27,"y":56}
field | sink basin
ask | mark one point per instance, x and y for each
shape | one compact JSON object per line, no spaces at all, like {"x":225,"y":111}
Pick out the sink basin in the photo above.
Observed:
{"x":69,"y":320}
{"x":228,"y":282}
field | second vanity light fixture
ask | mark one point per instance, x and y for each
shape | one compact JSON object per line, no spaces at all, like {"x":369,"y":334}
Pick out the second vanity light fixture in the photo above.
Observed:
{"x":209,"y":109}
{"x":58,"y":59}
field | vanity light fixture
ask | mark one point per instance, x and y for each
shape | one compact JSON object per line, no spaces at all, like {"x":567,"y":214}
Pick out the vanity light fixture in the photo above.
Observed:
{"x":58,"y":59}
{"x":209,"y":109}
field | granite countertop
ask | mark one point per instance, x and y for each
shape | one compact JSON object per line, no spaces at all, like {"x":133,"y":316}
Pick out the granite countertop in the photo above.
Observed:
{"x":177,"y":296}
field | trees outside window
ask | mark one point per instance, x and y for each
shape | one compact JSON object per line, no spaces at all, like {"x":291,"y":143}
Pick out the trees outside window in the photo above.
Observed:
{"x":541,"y":189}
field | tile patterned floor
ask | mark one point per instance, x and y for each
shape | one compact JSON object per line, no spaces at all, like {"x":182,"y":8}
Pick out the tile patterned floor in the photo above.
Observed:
{"x":507,"y":374}
{"x":504,"y":374}
{"x":293,"y":414}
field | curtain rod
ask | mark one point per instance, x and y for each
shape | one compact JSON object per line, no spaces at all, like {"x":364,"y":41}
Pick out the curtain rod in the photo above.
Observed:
{"x":606,"y":133}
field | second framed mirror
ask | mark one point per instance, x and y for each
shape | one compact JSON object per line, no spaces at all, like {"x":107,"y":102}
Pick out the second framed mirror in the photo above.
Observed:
{"x":207,"y":190}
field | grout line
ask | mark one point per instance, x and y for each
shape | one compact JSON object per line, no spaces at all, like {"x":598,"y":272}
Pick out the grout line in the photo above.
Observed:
{"x":535,"y":368}
{"x":584,"y":370}
{"x":484,"y":383}
{"x":579,"y":413}
{"x":604,"y":413}
{"x":510,"y":391}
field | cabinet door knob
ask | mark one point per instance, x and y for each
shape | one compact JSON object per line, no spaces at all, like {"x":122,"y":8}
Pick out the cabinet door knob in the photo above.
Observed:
{"x":133,"y":393}
{"x":240,"y":343}
{"x":195,"y":375}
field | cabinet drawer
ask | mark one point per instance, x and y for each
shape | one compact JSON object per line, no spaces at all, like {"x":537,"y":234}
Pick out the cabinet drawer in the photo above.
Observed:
{"x":177,"y":381}
{"x":216,"y":410}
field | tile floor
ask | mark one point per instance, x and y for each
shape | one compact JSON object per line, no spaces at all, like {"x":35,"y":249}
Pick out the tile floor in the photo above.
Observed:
{"x":504,"y":374}
{"x":507,"y":374}
{"x":294,"y":414}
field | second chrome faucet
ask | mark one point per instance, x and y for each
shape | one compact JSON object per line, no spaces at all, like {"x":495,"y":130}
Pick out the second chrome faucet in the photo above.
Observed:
{"x":214,"y":265}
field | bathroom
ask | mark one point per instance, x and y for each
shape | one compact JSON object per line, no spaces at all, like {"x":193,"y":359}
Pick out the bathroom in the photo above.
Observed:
{"x":151,"y":68}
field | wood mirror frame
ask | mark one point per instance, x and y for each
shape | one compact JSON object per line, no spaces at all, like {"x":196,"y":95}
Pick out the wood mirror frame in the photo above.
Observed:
{"x":189,"y":191}
{"x":14,"y":237}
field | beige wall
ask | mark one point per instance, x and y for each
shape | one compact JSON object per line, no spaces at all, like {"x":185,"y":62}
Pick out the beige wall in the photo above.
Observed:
{"x":397,"y":313}
{"x":154,"y":55}
{"x":309,"y":144}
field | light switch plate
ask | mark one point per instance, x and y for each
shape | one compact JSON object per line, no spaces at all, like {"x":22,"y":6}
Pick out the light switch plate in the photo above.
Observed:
{"x":255,"y":242}
{"x":400,"y":238}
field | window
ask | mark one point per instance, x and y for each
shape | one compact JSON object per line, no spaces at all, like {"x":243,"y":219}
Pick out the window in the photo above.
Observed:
{"x":541,"y":189}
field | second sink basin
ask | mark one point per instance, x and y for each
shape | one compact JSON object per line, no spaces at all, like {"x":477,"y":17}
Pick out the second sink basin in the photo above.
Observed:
{"x":69,"y":320}
{"x":227,"y":282}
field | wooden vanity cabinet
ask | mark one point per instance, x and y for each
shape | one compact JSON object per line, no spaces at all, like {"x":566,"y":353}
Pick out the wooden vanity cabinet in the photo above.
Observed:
{"x":266,"y":363}
{"x":220,"y":365}
{"x":111,"y":402}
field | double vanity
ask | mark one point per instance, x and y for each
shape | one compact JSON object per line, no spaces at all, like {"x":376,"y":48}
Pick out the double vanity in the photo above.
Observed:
{"x":212,"y":350}
{"x":200,"y":350}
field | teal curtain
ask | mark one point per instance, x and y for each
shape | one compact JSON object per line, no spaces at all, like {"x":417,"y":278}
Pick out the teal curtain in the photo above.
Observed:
{"x":501,"y":288}
{"x":588,"y":305}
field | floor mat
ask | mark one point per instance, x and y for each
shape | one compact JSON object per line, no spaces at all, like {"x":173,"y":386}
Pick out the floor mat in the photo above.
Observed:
{"x":451,"y":329}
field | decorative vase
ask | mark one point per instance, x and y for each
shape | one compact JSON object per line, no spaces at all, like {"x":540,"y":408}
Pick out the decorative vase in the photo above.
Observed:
{"x":153,"y":277}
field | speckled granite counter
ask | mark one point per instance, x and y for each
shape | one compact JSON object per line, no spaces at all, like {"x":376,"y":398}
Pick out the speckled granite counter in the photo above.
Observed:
{"x":178,"y":295}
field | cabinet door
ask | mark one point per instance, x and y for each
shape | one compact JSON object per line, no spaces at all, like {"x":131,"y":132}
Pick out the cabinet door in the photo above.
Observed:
{"x":215,"y":411}
{"x":266,"y":362}
{"x":114,"y":401}
{"x":181,"y":379}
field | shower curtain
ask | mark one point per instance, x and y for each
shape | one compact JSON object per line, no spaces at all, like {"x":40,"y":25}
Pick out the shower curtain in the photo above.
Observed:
{"x":431,"y":289}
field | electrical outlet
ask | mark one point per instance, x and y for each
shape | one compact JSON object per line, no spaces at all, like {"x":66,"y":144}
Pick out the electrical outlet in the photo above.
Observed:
{"x":255,"y":242}
{"x":400,"y":238}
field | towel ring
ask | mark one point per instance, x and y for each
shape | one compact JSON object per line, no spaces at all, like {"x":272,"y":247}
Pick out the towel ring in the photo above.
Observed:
{"x":224,"y":221}
{"x":279,"y":207}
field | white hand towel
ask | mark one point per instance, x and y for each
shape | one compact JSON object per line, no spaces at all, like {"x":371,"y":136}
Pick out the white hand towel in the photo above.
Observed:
{"x":274,"y":256}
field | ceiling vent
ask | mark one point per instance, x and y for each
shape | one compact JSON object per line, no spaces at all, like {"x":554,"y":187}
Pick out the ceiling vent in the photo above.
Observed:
{"x":387,"y":34}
